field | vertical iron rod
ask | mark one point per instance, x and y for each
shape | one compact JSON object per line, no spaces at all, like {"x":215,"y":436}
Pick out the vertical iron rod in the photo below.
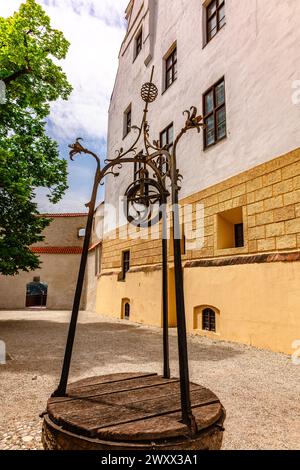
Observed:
{"x":186,"y":408}
{"x":165,"y":294}
{"x":62,"y":387}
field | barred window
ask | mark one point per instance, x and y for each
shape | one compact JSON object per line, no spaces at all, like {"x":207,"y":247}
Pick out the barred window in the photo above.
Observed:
{"x":208,"y":320}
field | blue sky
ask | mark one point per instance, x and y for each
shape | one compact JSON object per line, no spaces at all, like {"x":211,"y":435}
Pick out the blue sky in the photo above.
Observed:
{"x":95,"y":29}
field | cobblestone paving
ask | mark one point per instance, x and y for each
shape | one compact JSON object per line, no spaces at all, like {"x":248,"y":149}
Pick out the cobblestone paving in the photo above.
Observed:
{"x":22,"y":436}
{"x":259,"y":389}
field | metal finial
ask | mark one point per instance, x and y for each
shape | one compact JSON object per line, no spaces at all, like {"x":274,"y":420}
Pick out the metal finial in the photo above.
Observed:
{"x":149,"y":91}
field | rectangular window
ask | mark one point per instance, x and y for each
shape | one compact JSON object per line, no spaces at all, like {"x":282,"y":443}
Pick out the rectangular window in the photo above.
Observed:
{"x":98,"y":256}
{"x":166,"y":138}
{"x":170,"y":68}
{"x":214,"y":111}
{"x":138,"y":44}
{"x":127,"y":121}
{"x":230,"y":229}
{"x":215,"y":18}
{"x":125,"y":263}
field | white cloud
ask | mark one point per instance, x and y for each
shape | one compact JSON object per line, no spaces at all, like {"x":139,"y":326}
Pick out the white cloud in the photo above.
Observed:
{"x":95,"y":29}
{"x":91,"y":64}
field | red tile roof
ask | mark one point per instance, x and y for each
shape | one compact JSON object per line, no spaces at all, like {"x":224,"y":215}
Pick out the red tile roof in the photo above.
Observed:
{"x":57,"y":250}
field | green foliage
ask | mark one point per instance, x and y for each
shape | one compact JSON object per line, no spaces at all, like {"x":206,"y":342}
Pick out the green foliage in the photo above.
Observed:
{"x":28,"y":157}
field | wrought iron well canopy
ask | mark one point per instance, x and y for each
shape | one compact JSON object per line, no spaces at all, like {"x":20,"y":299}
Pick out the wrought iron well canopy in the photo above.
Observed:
{"x":157,"y":180}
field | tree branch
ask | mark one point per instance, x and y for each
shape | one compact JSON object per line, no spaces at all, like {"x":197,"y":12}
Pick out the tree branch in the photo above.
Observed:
{"x":16,"y":75}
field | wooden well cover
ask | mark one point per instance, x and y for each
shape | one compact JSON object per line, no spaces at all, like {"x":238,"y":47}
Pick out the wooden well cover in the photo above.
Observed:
{"x":131,"y":407}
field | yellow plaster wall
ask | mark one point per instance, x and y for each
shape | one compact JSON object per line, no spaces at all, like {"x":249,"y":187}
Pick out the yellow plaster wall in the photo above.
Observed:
{"x":259,"y":304}
{"x":143,"y":289}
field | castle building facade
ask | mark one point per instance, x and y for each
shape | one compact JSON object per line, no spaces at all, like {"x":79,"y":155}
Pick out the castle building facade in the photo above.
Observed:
{"x":52,"y":285}
{"x":239,"y":64}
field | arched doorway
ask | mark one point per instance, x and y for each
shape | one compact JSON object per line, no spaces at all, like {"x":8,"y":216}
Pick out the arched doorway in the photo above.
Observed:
{"x":36,"y":293}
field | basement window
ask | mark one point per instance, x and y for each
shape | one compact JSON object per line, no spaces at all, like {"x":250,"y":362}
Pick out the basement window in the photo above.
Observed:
{"x":230,"y":229}
{"x":208,"y":320}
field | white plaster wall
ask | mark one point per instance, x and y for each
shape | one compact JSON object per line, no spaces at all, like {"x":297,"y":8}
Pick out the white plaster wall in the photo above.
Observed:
{"x":257,"y":51}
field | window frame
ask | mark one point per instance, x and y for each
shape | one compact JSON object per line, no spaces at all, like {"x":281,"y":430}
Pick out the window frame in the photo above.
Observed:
{"x":173,"y":67}
{"x":137,"y":166}
{"x":125,"y":263}
{"x":213,"y":113}
{"x":138,"y":44}
{"x":168,"y":144}
{"x":127,"y":123}
{"x":219,"y":5}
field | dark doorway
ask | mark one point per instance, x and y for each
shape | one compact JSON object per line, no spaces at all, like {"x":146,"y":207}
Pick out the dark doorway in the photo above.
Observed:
{"x":36,"y":293}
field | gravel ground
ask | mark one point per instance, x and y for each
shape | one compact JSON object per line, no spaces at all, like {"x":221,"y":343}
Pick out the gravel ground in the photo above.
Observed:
{"x":259,"y":389}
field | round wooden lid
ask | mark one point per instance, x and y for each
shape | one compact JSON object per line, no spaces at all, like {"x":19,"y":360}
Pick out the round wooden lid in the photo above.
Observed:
{"x":131,"y":407}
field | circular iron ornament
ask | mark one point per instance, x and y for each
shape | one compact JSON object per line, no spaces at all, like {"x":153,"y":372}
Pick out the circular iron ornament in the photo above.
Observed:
{"x":142,"y":202}
{"x":149,"y":92}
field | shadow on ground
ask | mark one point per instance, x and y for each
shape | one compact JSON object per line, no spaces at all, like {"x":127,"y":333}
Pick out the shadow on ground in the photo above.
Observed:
{"x":37,"y":346}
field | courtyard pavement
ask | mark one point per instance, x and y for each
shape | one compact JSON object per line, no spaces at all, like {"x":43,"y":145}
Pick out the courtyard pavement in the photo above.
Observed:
{"x":259,"y":389}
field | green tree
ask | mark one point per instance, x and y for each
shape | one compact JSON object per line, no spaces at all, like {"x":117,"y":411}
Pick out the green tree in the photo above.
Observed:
{"x":29,"y":49}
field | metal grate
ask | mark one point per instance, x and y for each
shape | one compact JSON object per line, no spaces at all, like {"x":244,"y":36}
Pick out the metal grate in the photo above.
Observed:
{"x":208,"y":320}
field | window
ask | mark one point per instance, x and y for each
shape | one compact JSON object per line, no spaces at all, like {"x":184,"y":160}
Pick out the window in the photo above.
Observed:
{"x":125,"y":263}
{"x":230,"y":229}
{"x":170,"y":68}
{"x":215,"y":18}
{"x":98,"y":255}
{"x":208,"y":320}
{"x":127,"y":121}
{"x":127,"y":311}
{"x":214,"y":111}
{"x":138,"y":44}
{"x":239,"y":235}
{"x":166,"y":137}
{"x":81,"y":232}
{"x":166,"y":140}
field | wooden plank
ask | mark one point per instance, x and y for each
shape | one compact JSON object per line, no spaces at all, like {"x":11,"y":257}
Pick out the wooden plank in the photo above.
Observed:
{"x":123,"y":397}
{"x":162,"y":427}
{"x":91,"y":416}
{"x":112,"y":387}
{"x":110,"y":378}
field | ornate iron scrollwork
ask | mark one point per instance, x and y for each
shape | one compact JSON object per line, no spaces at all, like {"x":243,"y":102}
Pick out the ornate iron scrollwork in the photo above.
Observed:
{"x":142,"y":201}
